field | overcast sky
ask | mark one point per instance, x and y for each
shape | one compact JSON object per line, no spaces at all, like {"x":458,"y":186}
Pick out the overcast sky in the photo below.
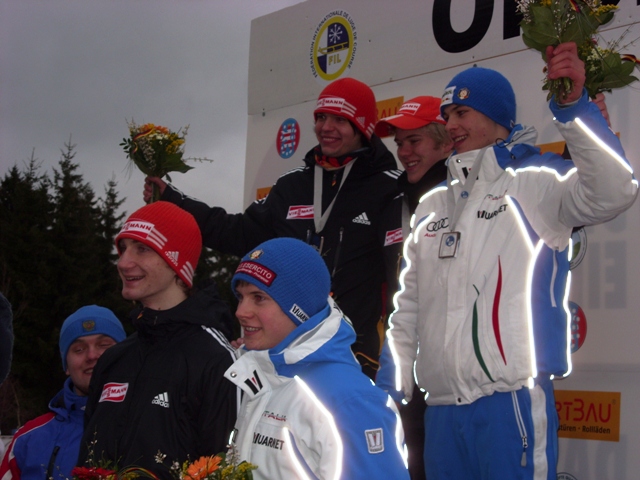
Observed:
{"x":82,"y":68}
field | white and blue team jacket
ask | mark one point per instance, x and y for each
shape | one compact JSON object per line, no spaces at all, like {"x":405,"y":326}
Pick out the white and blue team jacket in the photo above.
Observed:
{"x":495,"y":316}
{"x":309,"y":412}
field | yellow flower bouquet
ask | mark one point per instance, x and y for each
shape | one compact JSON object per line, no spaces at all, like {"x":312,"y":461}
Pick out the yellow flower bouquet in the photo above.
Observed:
{"x":156,"y":150}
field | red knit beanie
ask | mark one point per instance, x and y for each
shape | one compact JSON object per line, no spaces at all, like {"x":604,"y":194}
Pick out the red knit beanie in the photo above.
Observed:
{"x":351,"y":99}
{"x":169,"y":230}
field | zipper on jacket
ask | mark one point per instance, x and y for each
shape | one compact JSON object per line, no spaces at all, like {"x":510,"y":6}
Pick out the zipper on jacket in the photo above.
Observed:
{"x":521,"y":428}
{"x":336,"y":259}
{"x":553,"y":279}
{"x":52,"y":462}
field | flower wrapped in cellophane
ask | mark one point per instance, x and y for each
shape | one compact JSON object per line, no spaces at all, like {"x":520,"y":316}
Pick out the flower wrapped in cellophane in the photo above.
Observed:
{"x":157,"y":151}
{"x":552,"y":22}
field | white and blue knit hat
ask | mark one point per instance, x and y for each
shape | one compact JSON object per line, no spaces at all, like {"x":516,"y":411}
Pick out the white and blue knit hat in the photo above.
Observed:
{"x":289,"y":271}
{"x":484,"y":90}
{"x":89,"y":320}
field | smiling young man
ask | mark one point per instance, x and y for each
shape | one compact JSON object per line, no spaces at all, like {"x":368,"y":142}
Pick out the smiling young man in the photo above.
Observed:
{"x":47,"y":446}
{"x":481,"y":320}
{"x":163,"y":389}
{"x":338,"y":202}
{"x":423,"y":146}
{"x":307,"y":411}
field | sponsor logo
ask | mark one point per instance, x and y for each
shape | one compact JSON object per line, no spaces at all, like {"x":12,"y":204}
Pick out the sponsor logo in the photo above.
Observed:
{"x":333,"y":46}
{"x":409,"y":108}
{"x":579,"y":247}
{"x":288,"y":138}
{"x":447,"y":96}
{"x":297,"y":312}
{"x":362,"y":218}
{"x":375,"y":440}
{"x":257,"y":271}
{"x":393,"y":236}
{"x":433,"y":227}
{"x":89,"y":325}
{"x":173,"y":256}
{"x":300,"y":212}
{"x":114,"y":392}
{"x":254,"y":383}
{"x":138,"y":226}
{"x":267,"y":441}
{"x":279,"y":417}
{"x":161,"y":399}
{"x":495,"y":197}
{"x":489,"y":215}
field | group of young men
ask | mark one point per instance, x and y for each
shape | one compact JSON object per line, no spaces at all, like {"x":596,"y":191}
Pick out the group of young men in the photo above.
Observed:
{"x":479,"y":325}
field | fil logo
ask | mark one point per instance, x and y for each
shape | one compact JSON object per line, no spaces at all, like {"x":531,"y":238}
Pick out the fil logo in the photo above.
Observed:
{"x":362,"y":218}
{"x":161,"y":399}
{"x":375,"y":440}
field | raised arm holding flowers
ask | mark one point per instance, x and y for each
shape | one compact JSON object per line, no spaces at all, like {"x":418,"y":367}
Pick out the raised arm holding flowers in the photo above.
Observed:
{"x":555,"y":22}
{"x":157,"y":151}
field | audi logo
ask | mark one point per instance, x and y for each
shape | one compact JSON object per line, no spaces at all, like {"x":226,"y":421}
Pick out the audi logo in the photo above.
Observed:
{"x":435,"y":226}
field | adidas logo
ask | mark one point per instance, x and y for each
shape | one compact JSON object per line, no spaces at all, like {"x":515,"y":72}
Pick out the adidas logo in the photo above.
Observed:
{"x":161,"y":399}
{"x":362,"y":218}
{"x":173,"y":256}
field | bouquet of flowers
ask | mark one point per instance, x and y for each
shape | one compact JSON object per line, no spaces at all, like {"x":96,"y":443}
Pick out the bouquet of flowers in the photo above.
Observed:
{"x":156,"y":150}
{"x":217,"y":467}
{"x":551,"y":22}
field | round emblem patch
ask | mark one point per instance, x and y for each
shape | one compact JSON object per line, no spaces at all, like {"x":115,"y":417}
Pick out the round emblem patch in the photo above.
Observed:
{"x":288,"y":138}
{"x":89,"y":325}
{"x":578,"y":326}
{"x":463,"y":94}
{"x":256,"y":254}
{"x":333,"y":46}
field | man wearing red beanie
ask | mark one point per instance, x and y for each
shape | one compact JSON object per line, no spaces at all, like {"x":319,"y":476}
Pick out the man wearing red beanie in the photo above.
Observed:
{"x":163,"y":389}
{"x":338,"y":202}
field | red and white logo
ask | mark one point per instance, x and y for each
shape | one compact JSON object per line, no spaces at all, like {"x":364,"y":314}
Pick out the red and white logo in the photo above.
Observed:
{"x":393,"y":236}
{"x":300,"y":212}
{"x":257,"y":271}
{"x":114,"y":392}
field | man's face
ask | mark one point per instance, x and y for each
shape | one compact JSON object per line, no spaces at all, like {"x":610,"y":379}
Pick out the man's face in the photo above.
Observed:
{"x":471,"y":130}
{"x":336,"y":135}
{"x":82,"y":356}
{"x":146,"y":277}
{"x":418,"y":151}
{"x":263,"y":322}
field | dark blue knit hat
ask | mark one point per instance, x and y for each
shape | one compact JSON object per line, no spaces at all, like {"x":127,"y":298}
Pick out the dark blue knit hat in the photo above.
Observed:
{"x":289,"y":271}
{"x":484,"y":90}
{"x":89,"y":320}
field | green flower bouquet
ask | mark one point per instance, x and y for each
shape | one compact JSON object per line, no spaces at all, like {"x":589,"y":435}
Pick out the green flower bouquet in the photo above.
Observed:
{"x":551,"y":22}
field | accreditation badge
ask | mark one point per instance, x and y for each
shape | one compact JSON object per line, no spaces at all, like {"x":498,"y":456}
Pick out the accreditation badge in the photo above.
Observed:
{"x":449,"y":244}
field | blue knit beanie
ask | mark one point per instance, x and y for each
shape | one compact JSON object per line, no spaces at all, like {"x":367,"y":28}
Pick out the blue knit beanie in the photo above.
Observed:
{"x":89,"y":320}
{"x":484,"y":90}
{"x":289,"y":271}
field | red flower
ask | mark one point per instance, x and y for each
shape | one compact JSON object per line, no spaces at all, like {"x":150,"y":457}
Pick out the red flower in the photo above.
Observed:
{"x":92,"y":473}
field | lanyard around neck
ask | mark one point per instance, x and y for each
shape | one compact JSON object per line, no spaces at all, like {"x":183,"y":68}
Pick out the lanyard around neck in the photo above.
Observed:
{"x":320,"y":219}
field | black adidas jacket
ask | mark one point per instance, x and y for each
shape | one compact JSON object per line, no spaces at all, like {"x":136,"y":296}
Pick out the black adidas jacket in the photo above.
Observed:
{"x":362,"y":243}
{"x":163,"y":389}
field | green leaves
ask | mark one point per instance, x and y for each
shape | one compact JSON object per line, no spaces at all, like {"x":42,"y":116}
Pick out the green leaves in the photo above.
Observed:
{"x":551,"y":22}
